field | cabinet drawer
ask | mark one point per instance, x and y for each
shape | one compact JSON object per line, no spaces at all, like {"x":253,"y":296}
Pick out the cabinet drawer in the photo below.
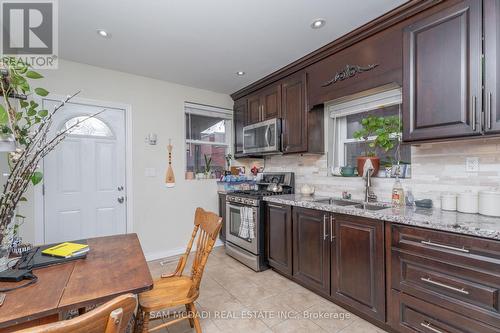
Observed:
{"x":464,"y":251}
{"x":463,"y":290}
{"x":415,"y":315}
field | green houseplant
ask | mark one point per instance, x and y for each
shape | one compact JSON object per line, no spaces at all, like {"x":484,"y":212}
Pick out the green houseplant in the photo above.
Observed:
{"x":25,"y":125}
{"x":377,"y":133}
{"x":208,"y":165}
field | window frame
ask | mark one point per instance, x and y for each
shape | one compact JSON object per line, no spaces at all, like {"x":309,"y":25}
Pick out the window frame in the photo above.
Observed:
{"x":213,"y":112}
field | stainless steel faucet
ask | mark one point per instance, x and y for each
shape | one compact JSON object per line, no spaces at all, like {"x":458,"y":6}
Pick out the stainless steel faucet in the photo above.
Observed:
{"x":369,"y":195}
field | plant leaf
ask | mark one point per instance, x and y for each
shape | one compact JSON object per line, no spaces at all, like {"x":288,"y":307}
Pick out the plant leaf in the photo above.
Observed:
{"x":41,"y":92}
{"x":37,"y":177}
{"x":43,"y":113}
{"x":33,"y":75}
{"x":23,"y":199}
{"x":4,"y":116}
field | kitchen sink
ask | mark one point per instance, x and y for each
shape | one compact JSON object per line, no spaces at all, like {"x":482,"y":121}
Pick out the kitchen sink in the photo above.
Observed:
{"x":338,"y":202}
{"x":370,"y":207}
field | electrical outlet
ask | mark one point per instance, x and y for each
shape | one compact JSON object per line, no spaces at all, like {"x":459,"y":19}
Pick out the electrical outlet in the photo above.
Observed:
{"x":472,"y":164}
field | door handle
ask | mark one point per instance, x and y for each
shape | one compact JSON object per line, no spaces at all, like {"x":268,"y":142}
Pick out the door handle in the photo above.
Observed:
{"x":332,"y":237}
{"x":473,"y":113}
{"x":120,"y":188}
{"x":121,"y":199}
{"x":443,"y":246}
{"x":324,"y":227}
{"x":439,"y":284}
{"x":489,"y":110}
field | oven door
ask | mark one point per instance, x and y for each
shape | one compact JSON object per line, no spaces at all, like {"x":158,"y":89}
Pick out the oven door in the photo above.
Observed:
{"x":263,"y":137}
{"x":233,"y":222}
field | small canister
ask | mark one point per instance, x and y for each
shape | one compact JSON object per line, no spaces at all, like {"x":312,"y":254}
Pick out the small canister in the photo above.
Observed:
{"x":449,"y":201}
{"x":489,"y":203}
{"x":468,"y":202}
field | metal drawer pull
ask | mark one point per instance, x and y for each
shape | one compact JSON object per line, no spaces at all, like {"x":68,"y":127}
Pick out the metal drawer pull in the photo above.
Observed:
{"x":473,"y":113}
{"x":430,"y":328}
{"x":274,"y":206}
{"x":439,"y":284}
{"x":462,"y":249}
{"x":324,"y":227}
{"x":332,"y":237}
{"x":489,"y":114}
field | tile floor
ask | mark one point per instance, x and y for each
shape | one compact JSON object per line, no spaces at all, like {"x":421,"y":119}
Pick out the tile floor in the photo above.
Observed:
{"x":233,"y":298}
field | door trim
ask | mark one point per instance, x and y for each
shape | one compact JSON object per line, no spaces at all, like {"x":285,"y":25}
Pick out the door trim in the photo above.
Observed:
{"x":38,"y":200}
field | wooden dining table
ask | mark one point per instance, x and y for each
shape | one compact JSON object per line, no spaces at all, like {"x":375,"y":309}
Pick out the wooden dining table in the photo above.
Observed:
{"x":114,"y":265}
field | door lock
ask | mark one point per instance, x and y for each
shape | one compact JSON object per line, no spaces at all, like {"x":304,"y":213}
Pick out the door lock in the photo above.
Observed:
{"x":121,"y":199}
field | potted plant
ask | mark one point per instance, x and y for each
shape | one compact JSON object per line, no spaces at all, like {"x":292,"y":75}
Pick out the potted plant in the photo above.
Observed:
{"x":27,"y":125}
{"x":228,"y":158}
{"x":208,"y":166}
{"x":376,"y":132}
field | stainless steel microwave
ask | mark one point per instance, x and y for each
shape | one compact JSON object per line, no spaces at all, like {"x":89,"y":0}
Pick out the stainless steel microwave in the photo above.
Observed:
{"x":263,"y":137}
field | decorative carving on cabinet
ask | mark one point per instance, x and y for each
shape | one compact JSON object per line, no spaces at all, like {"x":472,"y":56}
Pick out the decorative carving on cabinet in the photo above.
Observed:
{"x":348,"y":72}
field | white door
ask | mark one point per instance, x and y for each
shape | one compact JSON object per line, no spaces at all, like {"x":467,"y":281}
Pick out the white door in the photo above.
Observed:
{"x":84,"y":177}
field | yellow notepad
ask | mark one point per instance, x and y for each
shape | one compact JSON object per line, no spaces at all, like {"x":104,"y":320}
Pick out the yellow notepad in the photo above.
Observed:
{"x":65,"y":250}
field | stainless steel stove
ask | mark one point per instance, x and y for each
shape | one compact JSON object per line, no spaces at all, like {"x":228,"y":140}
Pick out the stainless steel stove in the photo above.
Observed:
{"x":250,"y":251}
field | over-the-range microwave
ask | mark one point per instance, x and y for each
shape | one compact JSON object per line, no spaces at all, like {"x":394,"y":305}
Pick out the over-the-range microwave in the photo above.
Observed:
{"x":263,"y":137}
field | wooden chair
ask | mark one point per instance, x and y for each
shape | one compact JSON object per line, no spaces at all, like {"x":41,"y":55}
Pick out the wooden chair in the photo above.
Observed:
{"x":111,"y":317}
{"x":175,"y":289}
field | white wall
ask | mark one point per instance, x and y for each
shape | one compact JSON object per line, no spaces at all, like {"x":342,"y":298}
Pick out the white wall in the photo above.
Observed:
{"x":161,"y":217}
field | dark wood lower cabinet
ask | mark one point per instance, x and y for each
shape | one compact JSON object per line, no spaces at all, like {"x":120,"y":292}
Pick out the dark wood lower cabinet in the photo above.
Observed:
{"x":279,"y":237}
{"x":311,"y":249}
{"x":358,"y":276}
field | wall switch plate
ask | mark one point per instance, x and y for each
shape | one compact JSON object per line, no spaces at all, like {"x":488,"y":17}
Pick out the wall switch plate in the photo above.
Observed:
{"x":472,"y":164}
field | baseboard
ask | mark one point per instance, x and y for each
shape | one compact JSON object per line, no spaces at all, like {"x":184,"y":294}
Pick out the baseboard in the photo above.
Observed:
{"x":150,"y":256}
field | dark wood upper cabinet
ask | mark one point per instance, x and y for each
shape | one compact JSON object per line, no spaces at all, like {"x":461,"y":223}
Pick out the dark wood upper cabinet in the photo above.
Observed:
{"x":492,"y":65}
{"x":279,"y":237}
{"x":311,"y":249}
{"x":379,"y":59}
{"x":271,"y":103}
{"x":240,"y":114}
{"x":442,"y":95}
{"x":358,"y":276}
{"x":294,"y":114}
{"x":254,"y":109}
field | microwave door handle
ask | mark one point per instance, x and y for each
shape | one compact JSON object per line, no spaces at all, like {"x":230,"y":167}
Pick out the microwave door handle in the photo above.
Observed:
{"x":268,"y":138}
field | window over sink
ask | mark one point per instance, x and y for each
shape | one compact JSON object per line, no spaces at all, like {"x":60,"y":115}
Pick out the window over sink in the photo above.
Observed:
{"x":208,"y":134}
{"x":345,"y":116}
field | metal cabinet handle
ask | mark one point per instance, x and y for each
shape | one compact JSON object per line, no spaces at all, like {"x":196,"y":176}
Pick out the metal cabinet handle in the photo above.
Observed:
{"x":324,"y":227}
{"x":473,"y":110}
{"x":332,"y":237}
{"x":489,"y":112}
{"x":430,"y":328}
{"x":453,"y":248}
{"x":274,"y":206}
{"x":439,"y":284}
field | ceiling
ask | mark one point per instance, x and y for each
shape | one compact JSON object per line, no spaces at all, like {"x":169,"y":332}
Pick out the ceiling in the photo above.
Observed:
{"x":203,"y":43}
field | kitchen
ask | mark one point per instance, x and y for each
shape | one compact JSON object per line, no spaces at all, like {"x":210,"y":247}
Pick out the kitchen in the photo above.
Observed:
{"x":410,"y":265}
{"x":341,"y":162}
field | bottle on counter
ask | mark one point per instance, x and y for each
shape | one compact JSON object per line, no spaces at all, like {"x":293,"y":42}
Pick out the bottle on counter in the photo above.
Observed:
{"x":398,"y":193}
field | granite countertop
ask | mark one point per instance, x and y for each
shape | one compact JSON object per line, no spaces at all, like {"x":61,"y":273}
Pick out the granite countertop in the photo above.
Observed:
{"x":431,"y":218}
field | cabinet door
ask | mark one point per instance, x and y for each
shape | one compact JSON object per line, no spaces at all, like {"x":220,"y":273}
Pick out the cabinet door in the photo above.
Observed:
{"x":271,"y":102}
{"x":294,"y":114}
{"x":358,"y":276}
{"x":442,"y":95}
{"x":240,"y":107}
{"x":492,"y":65}
{"x":222,"y":213}
{"x":311,"y":249}
{"x":279,"y":237}
{"x":254,"y":109}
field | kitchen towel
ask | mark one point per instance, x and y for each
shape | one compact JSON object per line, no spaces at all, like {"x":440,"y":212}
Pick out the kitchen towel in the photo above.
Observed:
{"x":247,"y":225}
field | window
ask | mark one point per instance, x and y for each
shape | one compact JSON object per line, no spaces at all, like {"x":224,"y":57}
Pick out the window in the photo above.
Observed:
{"x":87,"y":127}
{"x":345,"y":119}
{"x":208,"y":133}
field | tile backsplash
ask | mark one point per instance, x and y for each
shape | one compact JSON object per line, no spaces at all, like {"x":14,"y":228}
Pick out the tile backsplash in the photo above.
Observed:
{"x":436,"y":168}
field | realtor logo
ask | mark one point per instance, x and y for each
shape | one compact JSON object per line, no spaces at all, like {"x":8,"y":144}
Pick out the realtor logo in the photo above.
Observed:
{"x":29,"y":31}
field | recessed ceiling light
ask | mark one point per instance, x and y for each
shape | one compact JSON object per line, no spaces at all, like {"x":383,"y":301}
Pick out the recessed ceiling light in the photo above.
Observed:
{"x":103,"y":33}
{"x":318,"y":23}
{"x":240,"y":73}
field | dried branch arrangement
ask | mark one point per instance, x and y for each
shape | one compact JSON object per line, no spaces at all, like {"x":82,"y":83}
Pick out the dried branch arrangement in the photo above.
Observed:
{"x":24,"y":120}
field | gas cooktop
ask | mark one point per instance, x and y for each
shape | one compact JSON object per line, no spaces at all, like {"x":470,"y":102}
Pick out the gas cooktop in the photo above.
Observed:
{"x":255,"y":193}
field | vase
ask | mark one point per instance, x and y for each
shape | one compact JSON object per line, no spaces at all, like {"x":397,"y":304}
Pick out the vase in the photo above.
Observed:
{"x":361,"y":163}
{"x":4,"y":257}
{"x":6,"y":245}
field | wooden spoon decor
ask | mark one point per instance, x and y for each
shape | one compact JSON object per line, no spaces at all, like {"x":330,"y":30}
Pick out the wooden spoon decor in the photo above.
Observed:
{"x":170,"y":178}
